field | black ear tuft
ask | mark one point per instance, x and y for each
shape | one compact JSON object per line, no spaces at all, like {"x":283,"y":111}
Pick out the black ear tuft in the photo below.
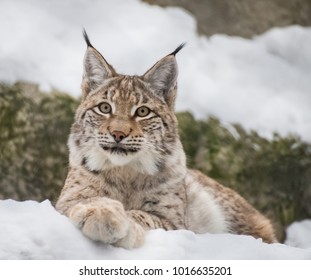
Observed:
{"x":96,"y":68}
{"x":86,"y":38}
{"x":178,"y":49}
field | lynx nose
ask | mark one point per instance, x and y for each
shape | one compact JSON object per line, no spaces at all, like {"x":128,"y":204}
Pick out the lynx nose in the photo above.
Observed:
{"x":118,"y":135}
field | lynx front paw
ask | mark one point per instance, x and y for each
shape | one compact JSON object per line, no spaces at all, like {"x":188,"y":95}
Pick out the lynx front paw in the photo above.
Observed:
{"x":104,"y":221}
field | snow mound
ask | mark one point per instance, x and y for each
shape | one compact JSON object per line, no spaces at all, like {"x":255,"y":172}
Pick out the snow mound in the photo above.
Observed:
{"x":32,"y":230}
{"x":299,"y":234}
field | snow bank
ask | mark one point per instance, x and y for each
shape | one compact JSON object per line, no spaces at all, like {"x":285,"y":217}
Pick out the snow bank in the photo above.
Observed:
{"x":263,"y":83}
{"x":299,"y":234}
{"x":32,"y":230}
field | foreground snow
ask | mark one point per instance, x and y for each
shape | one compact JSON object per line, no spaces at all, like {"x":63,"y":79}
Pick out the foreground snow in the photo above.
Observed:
{"x":32,"y":230}
{"x":263,"y":83}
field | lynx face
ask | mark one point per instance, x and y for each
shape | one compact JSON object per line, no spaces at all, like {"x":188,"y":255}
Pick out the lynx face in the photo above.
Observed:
{"x":125,"y":119}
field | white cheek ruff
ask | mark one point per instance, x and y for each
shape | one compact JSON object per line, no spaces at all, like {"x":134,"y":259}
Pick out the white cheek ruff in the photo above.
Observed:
{"x":146,"y":163}
{"x":97,"y":160}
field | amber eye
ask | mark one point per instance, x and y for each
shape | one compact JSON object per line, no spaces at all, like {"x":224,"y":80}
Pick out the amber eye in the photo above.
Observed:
{"x":142,"y":111}
{"x":104,"y":108}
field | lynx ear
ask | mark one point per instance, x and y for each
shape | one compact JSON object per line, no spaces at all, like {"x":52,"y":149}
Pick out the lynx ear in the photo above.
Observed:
{"x":96,"y":68}
{"x":162,"y":77}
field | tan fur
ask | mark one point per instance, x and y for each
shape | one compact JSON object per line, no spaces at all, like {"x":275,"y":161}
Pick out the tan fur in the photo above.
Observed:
{"x":128,"y":172}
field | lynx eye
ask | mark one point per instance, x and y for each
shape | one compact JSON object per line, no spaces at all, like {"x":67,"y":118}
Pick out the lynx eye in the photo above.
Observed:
{"x":104,"y":108}
{"x":142,"y":111}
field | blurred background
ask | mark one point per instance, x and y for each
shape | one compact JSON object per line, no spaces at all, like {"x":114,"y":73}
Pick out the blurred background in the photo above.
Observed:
{"x":244,"y":89}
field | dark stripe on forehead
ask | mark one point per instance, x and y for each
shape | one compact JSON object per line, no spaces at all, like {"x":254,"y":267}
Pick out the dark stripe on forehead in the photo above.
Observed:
{"x":139,"y":89}
{"x":126,"y":86}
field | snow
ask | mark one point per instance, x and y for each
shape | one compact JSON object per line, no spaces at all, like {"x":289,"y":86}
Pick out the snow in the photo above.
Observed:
{"x":299,"y":234}
{"x":33,"y":230}
{"x":263,"y":83}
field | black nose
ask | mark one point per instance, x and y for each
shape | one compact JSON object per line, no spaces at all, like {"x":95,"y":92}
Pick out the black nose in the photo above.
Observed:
{"x":118,"y":135}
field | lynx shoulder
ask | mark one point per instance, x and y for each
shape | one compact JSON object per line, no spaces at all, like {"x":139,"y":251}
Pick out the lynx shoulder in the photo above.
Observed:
{"x":127,"y":168}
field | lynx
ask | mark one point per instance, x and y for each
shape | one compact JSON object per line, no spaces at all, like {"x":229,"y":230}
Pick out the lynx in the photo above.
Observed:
{"x":127,"y":167}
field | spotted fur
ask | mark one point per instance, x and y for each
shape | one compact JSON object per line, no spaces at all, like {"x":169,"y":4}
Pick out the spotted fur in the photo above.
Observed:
{"x":128,"y":171}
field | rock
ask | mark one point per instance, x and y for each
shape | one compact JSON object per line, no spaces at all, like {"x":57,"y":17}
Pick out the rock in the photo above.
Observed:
{"x":243,"y":17}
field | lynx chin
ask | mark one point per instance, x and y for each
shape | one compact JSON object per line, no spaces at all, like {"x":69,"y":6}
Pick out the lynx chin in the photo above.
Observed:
{"x":127,"y":167}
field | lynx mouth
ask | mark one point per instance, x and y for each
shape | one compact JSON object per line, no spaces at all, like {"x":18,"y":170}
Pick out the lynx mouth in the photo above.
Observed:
{"x":119,"y":150}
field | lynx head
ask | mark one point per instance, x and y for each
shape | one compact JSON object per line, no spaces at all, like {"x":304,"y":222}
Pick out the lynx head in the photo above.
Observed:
{"x":125,"y":120}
